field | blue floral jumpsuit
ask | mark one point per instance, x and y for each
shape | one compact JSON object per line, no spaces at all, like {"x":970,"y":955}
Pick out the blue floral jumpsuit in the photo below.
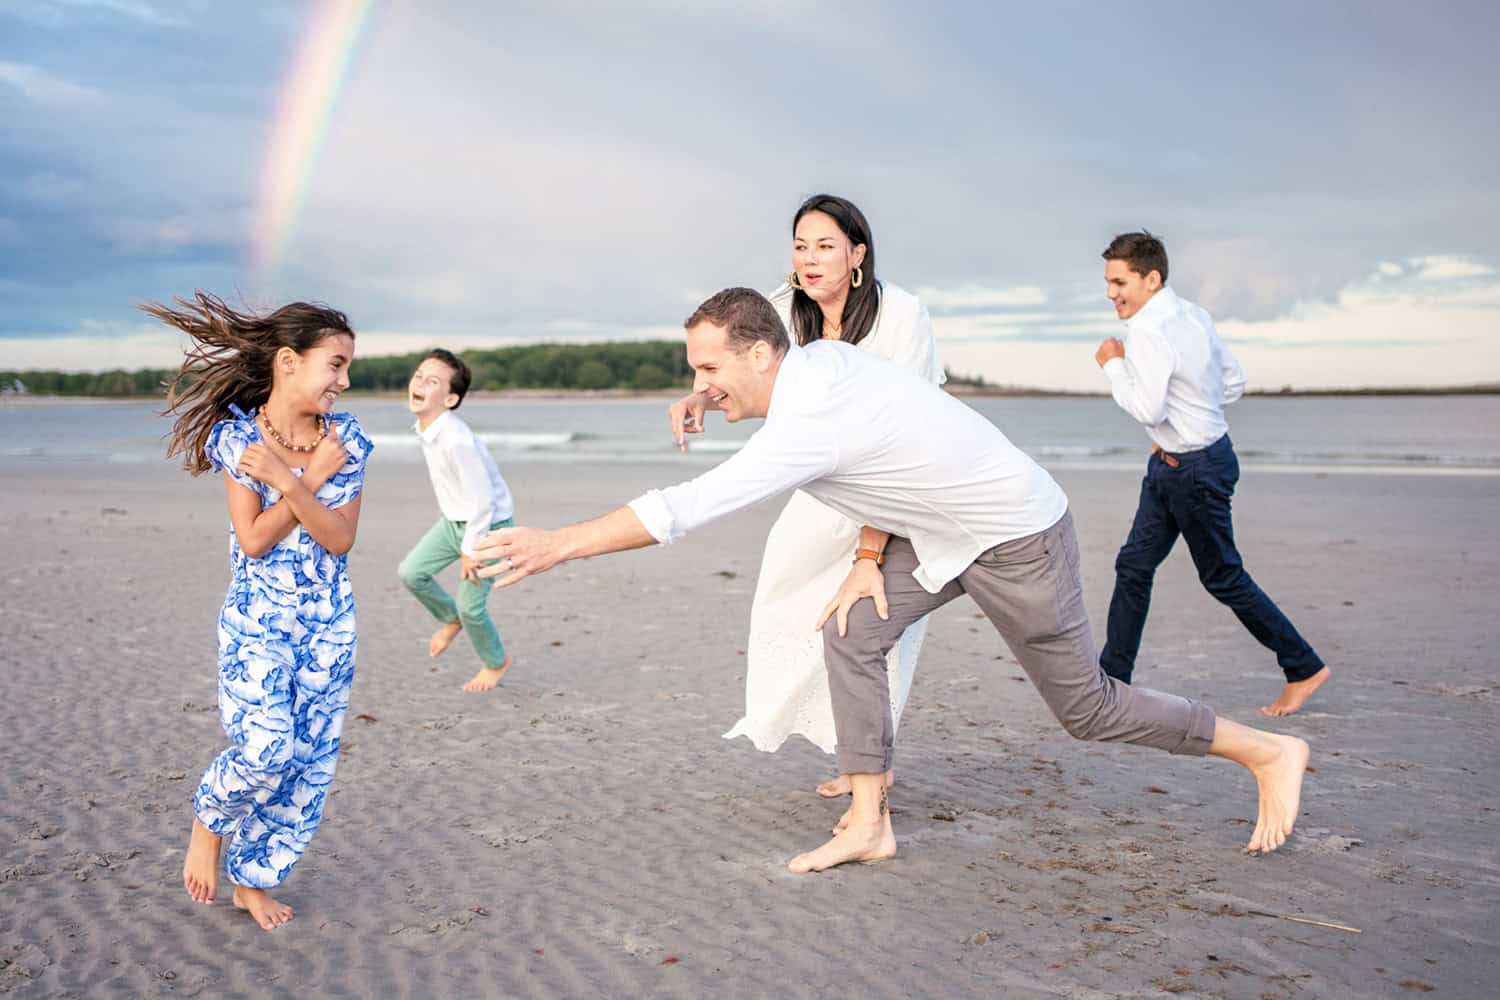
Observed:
{"x":286,"y":661}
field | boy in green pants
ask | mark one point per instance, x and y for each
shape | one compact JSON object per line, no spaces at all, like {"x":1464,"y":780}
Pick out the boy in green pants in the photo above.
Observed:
{"x":473,"y":499}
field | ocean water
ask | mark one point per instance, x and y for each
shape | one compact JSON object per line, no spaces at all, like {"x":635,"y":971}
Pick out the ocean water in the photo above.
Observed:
{"x":1442,"y":435}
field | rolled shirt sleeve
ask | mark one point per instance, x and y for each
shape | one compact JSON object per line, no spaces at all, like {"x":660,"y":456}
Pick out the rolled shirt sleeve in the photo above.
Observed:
{"x":1138,"y":381}
{"x":777,"y":458}
{"x":1234,"y":374}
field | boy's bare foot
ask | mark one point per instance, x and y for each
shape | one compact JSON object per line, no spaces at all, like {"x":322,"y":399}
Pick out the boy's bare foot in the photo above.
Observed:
{"x":867,"y":842}
{"x":259,"y":904}
{"x":487,"y":677}
{"x":1296,"y":693}
{"x":841,"y":785}
{"x":443,"y":637}
{"x":200,"y":873}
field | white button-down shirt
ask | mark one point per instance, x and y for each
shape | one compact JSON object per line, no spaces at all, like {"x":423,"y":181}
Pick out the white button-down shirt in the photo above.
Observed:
{"x":883,"y":447}
{"x":464,"y":477}
{"x":1177,"y":375}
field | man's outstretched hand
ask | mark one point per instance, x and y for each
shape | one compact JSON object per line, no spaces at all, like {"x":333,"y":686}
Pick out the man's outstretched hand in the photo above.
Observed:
{"x":513,"y":554}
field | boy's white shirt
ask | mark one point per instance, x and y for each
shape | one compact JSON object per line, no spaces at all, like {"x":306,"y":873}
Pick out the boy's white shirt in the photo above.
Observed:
{"x":464,"y":476}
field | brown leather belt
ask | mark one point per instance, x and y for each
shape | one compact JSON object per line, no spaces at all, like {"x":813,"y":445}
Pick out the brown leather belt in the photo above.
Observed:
{"x":1165,"y":457}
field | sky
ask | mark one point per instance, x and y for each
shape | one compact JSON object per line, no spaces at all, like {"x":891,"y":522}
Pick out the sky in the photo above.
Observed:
{"x":1324,"y":175}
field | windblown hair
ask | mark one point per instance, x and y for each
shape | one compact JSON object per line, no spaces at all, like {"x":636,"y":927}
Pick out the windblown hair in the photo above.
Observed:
{"x":747,"y":318}
{"x":459,"y":383}
{"x":863,"y":304}
{"x":1141,"y":251}
{"x":230,"y":362}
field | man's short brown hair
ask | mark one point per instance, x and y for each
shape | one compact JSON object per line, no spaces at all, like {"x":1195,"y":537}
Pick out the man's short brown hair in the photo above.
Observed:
{"x":1142,"y":253}
{"x":746,"y":316}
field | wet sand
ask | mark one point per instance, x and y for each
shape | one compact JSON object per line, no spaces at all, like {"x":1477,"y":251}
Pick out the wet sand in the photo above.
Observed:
{"x":584,"y":830}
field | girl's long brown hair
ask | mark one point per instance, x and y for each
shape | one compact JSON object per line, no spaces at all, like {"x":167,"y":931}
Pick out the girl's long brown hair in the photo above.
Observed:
{"x":229,"y":363}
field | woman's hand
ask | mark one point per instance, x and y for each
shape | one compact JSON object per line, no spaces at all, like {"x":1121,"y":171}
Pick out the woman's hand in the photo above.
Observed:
{"x":686,"y":416}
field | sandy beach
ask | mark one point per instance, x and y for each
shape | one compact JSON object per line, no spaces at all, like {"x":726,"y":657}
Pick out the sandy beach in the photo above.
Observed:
{"x":584,"y":830}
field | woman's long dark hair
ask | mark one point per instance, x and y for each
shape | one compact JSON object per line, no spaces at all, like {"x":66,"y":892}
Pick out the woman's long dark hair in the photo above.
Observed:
{"x":230,"y":362}
{"x":863,"y":303}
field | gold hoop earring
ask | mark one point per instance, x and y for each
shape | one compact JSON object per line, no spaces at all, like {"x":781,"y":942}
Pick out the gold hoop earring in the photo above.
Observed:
{"x":791,"y":279}
{"x":858,"y":279}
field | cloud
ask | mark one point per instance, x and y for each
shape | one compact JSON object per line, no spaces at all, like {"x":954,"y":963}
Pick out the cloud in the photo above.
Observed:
{"x":1392,"y":326}
{"x":43,"y":87}
{"x":1450,"y":268}
{"x":976,"y":297}
{"x":60,"y":13}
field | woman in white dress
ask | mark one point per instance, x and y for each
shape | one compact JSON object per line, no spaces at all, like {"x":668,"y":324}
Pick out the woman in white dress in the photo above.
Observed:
{"x":832,"y":292}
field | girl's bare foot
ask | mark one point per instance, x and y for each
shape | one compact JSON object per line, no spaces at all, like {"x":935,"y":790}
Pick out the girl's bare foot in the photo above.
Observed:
{"x":841,"y":785}
{"x":443,"y":637}
{"x":1296,"y":693}
{"x":487,"y":677}
{"x":200,"y":873}
{"x":259,"y":904}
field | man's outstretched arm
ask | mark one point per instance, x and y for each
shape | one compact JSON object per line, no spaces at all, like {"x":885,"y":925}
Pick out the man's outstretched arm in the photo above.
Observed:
{"x":516,"y":553}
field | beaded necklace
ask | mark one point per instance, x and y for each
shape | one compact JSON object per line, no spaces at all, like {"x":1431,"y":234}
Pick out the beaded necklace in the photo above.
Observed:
{"x":299,"y":448}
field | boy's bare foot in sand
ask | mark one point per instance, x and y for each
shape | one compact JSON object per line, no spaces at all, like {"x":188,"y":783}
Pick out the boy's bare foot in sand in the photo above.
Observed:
{"x":867,"y":836}
{"x":200,"y":873}
{"x":443,"y":638}
{"x":487,"y":677}
{"x":1296,"y":693}
{"x":841,"y":786}
{"x":259,"y":904}
{"x":1278,"y":764}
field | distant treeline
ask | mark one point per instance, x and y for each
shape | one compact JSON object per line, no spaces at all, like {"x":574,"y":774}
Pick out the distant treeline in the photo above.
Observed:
{"x":650,"y":364}
{"x":635,"y":365}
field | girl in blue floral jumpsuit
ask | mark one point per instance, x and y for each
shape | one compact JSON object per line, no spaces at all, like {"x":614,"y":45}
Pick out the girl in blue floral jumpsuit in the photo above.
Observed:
{"x":255,"y":402}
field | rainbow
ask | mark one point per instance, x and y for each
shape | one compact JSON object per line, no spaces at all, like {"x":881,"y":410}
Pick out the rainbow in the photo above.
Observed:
{"x":309,"y":98}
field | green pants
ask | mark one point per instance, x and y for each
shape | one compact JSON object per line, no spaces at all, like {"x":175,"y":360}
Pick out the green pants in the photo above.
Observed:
{"x":440,"y":548}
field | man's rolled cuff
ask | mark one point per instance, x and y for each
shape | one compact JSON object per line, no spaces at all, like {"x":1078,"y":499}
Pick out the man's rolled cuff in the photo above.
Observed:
{"x":656,"y":517}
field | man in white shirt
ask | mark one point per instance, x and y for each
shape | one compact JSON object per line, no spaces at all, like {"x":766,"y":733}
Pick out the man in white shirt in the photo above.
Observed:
{"x":960,"y":511}
{"x":1175,"y":376}
{"x":473,"y":499}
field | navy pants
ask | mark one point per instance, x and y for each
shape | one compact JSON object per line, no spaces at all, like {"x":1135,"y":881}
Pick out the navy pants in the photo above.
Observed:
{"x":1192,"y":499}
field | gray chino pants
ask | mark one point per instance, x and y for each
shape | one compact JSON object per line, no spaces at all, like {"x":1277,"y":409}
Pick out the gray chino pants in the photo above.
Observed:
{"x":1032,"y":592}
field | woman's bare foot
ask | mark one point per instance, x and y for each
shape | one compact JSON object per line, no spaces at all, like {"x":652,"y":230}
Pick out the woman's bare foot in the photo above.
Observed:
{"x":867,"y":842}
{"x":1296,"y":693}
{"x":841,"y":785}
{"x":443,"y":638}
{"x":487,"y":677}
{"x":259,"y":904}
{"x":200,"y":873}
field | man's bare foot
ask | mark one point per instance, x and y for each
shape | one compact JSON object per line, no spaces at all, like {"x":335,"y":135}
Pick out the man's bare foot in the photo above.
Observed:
{"x":866,"y":842}
{"x":487,"y":677}
{"x":200,"y":873}
{"x":443,"y":637}
{"x":259,"y":904}
{"x":1296,"y":693}
{"x":1278,"y":779}
{"x":841,"y":785}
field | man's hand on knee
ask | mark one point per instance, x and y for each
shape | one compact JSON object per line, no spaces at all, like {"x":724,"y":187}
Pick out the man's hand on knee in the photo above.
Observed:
{"x":864,"y":580}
